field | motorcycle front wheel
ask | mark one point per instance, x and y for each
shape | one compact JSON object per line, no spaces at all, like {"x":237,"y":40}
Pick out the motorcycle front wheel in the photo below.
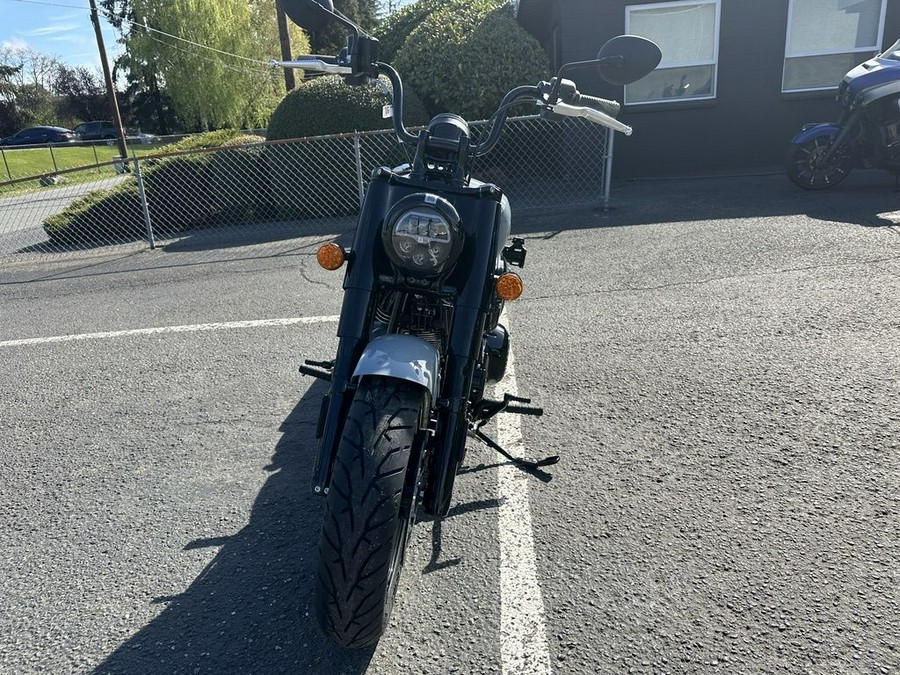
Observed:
{"x":370,"y":510}
{"x":805,"y":168}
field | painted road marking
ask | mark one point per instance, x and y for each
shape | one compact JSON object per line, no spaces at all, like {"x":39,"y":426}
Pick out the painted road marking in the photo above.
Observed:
{"x":523,"y":632}
{"x":197,"y":327}
{"x":523,"y":628}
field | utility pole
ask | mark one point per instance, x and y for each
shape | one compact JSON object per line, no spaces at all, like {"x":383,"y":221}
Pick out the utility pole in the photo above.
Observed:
{"x":110,"y":87}
{"x":285,"y":37}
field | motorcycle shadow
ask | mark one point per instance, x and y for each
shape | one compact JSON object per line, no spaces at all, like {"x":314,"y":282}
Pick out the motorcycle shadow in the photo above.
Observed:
{"x":251,"y":609}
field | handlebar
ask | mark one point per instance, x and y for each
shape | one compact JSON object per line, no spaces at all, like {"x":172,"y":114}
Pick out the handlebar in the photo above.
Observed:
{"x":604,"y":105}
{"x":596,"y":110}
{"x":318,"y":63}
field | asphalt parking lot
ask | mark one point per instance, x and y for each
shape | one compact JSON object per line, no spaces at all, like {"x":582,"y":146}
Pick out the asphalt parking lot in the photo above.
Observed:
{"x":720,"y":364}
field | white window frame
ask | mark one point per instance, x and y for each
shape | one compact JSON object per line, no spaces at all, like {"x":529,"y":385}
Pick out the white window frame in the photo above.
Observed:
{"x":827,"y":52}
{"x":714,"y":62}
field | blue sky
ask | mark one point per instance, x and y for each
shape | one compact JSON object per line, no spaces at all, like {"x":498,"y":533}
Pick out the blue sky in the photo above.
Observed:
{"x":65,"y":32}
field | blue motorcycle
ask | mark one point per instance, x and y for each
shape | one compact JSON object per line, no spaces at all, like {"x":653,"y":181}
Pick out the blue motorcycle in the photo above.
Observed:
{"x":867,"y":135}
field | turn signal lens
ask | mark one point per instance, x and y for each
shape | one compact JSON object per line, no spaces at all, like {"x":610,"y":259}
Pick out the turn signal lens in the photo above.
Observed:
{"x":330,"y":256}
{"x":509,"y":286}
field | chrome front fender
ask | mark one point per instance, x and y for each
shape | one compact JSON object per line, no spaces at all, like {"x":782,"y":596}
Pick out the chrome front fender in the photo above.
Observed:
{"x":404,"y":357}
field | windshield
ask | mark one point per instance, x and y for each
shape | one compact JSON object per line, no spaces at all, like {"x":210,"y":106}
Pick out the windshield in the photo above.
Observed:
{"x":892,"y":52}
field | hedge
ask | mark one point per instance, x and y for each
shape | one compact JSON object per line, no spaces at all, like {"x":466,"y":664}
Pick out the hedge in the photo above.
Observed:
{"x":318,"y":179}
{"x":183,"y":192}
{"x":326,"y":105}
{"x":466,"y":55}
{"x":393,"y":31}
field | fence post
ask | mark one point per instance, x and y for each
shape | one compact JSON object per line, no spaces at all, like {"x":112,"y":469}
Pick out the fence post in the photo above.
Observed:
{"x":53,"y":157}
{"x":144,"y":206}
{"x":359,"y":175}
{"x":96,"y":159}
{"x":6,"y":164}
{"x":607,"y":169}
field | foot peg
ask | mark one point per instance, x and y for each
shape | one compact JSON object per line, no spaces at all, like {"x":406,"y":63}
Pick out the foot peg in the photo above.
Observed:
{"x":311,"y":368}
{"x":489,"y":408}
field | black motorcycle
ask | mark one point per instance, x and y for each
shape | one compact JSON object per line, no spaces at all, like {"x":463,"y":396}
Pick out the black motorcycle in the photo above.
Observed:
{"x":419,"y":335}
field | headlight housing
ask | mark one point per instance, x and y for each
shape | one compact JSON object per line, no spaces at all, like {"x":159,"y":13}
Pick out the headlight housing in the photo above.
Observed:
{"x":422,"y":236}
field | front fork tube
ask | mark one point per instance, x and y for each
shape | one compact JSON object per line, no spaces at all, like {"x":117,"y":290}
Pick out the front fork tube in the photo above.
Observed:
{"x":849,"y":126}
{"x":351,"y":331}
{"x":468,"y":332}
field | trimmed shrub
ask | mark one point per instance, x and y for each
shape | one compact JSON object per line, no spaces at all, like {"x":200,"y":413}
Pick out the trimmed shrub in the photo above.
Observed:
{"x":393,"y":31}
{"x":178,"y":193}
{"x":466,"y":55}
{"x":326,"y":105}
{"x":112,"y":215}
{"x":238,"y":181}
{"x":183,"y":192}
{"x":318,"y":179}
{"x":209,"y":139}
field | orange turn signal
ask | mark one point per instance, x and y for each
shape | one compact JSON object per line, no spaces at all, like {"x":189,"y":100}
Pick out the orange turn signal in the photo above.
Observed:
{"x":331,"y":256}
{"x":509,"y":286}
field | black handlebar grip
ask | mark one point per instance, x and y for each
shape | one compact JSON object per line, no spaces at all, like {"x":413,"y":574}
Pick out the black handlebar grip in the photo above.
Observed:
{"x":604,"y":105}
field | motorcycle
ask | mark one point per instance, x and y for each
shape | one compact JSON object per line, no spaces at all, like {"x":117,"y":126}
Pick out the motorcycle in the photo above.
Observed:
{"x":428,"y":273}
{"x":867,"y":135}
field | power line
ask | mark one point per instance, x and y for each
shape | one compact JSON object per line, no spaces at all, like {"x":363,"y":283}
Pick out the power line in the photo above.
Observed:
{"x":52,"y":4}
{"x":191,"y":42}
{"x":144,"y":26}
{"x":218,"y":62}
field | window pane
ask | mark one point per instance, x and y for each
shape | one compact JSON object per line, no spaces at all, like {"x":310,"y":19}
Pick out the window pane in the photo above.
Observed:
{"x":672,"y":84}
{"x":685,"y":33}
{"x":829,"y":25}
{"x":810,"y":72}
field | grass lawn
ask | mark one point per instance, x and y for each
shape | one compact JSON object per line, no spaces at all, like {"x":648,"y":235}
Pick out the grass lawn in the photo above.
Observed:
{"x":37,"y":161}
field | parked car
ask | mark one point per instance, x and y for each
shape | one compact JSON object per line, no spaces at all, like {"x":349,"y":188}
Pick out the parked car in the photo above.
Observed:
{"x":138,"y":137}
{"x":40,"y":135}
{"x":95,"y":131}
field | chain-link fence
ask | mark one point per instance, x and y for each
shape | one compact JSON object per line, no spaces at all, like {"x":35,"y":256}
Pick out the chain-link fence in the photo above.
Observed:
{"x":270,"y":193}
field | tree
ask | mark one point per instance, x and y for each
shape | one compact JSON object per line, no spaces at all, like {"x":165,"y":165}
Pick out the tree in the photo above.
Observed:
{"x":206,"y":88}
{"x":30,"y":66}
{"x":330,"y":40}
{"x":7,"y":89}
{"x":83,"y":93}
{"x":28,"y":87}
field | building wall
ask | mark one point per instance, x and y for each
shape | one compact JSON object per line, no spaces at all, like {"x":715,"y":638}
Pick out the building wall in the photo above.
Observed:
{"x":750,"y":122}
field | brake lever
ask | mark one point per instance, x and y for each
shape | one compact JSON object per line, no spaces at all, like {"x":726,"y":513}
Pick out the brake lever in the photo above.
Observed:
{"x":591,"y":115}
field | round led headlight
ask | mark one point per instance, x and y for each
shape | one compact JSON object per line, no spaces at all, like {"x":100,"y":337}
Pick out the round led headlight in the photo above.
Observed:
{"x":421,"y":234}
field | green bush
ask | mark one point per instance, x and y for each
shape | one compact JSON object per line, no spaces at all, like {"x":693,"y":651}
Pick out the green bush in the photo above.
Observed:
{"x":112,"y":215}
{"x":238,"y":181}
{"x":393,"y":31}
{"x":315,"y":180}
{"x":326,"y":105}
{"x":183,"y":192}
{"x":466,"y":55}
{"x":210,"y":139}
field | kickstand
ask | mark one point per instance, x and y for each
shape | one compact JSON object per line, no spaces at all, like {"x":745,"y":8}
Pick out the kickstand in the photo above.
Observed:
{"x":518,"y":461}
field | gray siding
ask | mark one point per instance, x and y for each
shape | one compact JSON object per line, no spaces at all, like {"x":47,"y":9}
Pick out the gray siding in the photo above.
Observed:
{"x":750,"y":122}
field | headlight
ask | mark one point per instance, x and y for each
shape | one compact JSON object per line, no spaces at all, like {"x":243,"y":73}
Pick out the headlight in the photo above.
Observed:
{"x":421,"y":235}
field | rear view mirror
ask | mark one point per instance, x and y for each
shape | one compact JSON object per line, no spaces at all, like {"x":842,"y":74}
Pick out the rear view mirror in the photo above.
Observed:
{"x":311,"y":15}
{"x":627,"y":58}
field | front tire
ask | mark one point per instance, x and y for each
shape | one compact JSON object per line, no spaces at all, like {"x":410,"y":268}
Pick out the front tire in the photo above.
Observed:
{"x":370,"y":509}
{"x":804,"y":167}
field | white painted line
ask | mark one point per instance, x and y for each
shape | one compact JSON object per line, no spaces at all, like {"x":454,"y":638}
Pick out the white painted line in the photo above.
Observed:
{"x":523,"y":629}
{"x":172,"y":329}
